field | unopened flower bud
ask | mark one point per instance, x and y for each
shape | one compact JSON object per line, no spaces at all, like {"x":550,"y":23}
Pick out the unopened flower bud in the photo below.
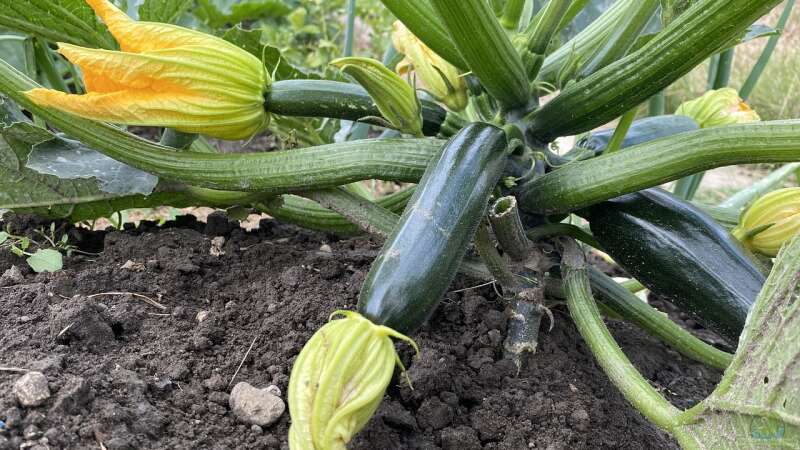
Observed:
{"x":718,"y":108}
{"x":770,"y":222}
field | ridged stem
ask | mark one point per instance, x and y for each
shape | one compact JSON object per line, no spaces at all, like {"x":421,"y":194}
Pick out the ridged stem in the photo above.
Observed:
{"x":605,"y":349}
{"x":367,"y":215}
{"x":583,"y":183}
{"x":507,"y":226}
{"x":636,"y":311}
{"x":692,"y":37}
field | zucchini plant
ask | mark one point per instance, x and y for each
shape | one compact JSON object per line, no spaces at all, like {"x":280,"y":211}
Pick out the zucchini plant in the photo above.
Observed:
{"x":463,"y":114}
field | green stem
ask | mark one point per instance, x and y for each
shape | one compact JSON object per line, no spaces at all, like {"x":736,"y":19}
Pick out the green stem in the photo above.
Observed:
{"x":724,"y":68}
{"x":349,"y":35}
{"x":177,"y":139}
{"x":766,"y":55}
{"x":657,"y":105}
{"x":657,"y":324}
{"x":493,"y":260}
{"x":621,"y":131}
{"x":507,"y":226}
{"x":368,"y":216}
{"x":771,"y":182}
{"x":692,"y":37}
{"x":605,"y":349}
{"x":583,"y":183}
{"x":563,"y":229}
{"x":511,"y":14}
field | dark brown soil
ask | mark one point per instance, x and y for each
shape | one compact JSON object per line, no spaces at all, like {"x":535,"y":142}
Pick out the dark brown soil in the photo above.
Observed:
{"x":128,"y":375}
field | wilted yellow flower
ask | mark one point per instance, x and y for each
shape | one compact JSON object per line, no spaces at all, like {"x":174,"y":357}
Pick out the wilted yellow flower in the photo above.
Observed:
{"x":167,"y":76}
{"x":338,"y":381}
{"x":772,"y":221}
{"x":435,"y":75}
{"x":718,"y":108}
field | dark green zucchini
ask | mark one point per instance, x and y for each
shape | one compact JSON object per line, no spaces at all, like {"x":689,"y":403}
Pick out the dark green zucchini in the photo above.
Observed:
{"x":421,"y":257}
{"x":679,"y":252}
{"x":641,"y":131}
{"x":338,"y":100}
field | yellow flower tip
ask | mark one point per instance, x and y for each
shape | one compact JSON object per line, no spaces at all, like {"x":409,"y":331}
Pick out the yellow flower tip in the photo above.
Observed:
{"x":338,"y":381}
{"x":166,"y":76}
{"x":433,"y":73}
{"x":770,"y":222}
{"x":718,"y":108}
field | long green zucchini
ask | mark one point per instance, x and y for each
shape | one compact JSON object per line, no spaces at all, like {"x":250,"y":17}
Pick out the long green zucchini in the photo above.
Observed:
{"x":583,"y":183}
{"x":435,"y":230}
{"x":691,"y":38}
{"x":679,"y":252}
{"x":335,"y":99}
{"x":276,"y":172}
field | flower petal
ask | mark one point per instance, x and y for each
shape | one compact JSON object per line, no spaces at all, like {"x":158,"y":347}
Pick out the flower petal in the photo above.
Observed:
{"x":180,"y":111}
{"x":138,"y":37}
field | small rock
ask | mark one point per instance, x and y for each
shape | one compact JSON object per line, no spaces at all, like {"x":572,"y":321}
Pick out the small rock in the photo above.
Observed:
{"x":11,"y":277}
{"x":215,"y":383}
{"x":179,"y":371}
{"x":202,"y":316}
{"x":31,"y":389}
{"x":31,"y":432}
{"x":25,"y":319}
{"x":255,"y":406}
{"x":217,"y":245}
{"x":325,"y":248}
{"x":133,"y":266}
{"x":201,"y":343}
{"x":274,"y":390}
{"x":256,"y":429}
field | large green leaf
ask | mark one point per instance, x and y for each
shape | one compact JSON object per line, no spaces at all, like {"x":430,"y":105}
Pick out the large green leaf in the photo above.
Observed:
{"x":166,"y":11}
{"x":71,"y":21}
{"x":23,"y":190}
{"x":757,"y":404}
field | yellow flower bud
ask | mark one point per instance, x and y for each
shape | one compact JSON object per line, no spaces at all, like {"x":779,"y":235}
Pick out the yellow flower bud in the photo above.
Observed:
{"x":718,"y":108}
{"x":770,"y":222}
{"x":338,"y":381}
{"x":167,"y":76}
{"x":435,"y":75}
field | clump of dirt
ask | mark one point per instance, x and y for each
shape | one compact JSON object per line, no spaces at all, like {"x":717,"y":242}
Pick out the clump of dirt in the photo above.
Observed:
{"x":155,"y":370}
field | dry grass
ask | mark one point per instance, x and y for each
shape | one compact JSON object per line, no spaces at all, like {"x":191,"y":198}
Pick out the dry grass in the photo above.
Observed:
{"x":777,"y":95}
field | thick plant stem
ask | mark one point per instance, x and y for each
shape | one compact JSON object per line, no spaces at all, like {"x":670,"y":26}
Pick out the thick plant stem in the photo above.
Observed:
{"x":541,"y":31}
{"x":493,"y":260}
{"x":176,"y":139}
{"x":507,"y":226}
{"x":511,"y":14}
{"x":657,"y":105}
{"x":621,"y":131}
{"x":693,"y":36}
{"x":605,"y":349}
{"x":584,"y":183}
{"x":563,"y":229}
{"x":634,"y":310}
{"x":369,"y":216}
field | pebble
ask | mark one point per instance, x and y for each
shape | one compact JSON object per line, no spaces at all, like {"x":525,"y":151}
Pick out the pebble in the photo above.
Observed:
{"x":11,"y":277}
{"x":255,"y":406}
{"x":202,"y":316}
{"x":31,"y":389}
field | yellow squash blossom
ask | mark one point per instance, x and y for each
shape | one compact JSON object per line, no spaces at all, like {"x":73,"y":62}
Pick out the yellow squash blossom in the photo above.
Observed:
{"x":772,"y":221}
{"x":718,"y":108}
{"x":437,"y":76}
{"x":338,"y":381}
{"x":167,"y":76}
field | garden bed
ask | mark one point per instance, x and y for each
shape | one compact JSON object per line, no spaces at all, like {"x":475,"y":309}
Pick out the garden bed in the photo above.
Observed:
{"x":124,"y":373}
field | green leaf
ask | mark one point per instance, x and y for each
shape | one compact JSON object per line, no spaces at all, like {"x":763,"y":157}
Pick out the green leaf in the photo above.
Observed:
{"x":218,"y":13}
{"x":71,"y":21}
{"x":23,"y":190}
{"x":46,"y":260}
{"x":757,"y":31}
{"x":277,"y":65}
{"x":4,"y":237}
{"x":757,"y":404}
{"x":165,"y":11}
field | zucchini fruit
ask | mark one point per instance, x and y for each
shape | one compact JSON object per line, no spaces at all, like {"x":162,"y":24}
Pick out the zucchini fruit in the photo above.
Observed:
{"x":641,"y":131}
{"x":401,"y":292}
{"x":679,"y":252}
{"x":338,"y":100}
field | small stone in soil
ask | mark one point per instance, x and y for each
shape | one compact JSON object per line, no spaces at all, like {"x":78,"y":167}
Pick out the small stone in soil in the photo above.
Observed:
{"x":31,"y":389}
{"x":255,"y":406}
{"x":11,"y":277}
